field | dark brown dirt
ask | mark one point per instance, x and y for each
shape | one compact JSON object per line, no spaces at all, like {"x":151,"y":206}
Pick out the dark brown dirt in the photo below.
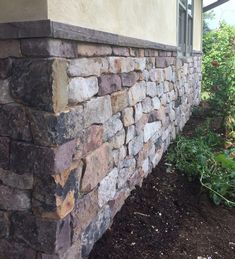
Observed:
{"x":169,"y":217}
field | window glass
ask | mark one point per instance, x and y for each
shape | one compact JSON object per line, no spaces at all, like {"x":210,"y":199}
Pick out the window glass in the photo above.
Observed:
{"x":185,"y":27}
{"x":182,"y":29}
{"x":184,"y":2}
{"x":190,"y":7}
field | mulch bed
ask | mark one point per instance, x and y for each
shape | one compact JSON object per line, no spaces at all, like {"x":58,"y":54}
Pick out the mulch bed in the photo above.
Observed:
{"x":169,"y":217}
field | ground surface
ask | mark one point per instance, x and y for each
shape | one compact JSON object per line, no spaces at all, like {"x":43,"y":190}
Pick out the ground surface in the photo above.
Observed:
{"x":169,"y":218}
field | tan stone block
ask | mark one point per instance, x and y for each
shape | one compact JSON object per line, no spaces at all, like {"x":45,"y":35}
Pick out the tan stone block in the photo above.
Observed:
{"x":93,"y":50}
{"x":59,"y":86}
{"x":88,"y":67}
{"x":121,"y":64}
{"x":119,"y":101}
{"x":137,"y":93}
{"x":121,"y":51}
{"x":128,"y":116}
{"x":98,"y":163}
{"x":97,"y":110}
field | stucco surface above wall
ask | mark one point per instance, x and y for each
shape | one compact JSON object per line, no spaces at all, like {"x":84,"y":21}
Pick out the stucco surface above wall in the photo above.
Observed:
{"x":153,"y":20}
{"x":22,"y":10}
{"x":197,"y":28}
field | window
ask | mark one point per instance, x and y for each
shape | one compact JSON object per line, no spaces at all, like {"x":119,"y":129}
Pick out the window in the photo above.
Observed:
{"x":185,"y":27}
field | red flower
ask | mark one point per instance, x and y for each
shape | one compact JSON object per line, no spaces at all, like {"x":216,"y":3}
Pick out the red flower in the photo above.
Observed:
{"x":214,"y":63}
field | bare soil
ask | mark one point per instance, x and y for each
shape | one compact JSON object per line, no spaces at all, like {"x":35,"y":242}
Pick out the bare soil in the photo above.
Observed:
{"x":169,"y":217}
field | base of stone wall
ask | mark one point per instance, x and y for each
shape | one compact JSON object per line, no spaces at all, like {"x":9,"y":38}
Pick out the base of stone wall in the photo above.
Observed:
{"x":81,"y":125}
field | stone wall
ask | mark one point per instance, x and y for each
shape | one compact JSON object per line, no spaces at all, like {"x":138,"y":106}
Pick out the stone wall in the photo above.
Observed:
{"x":80,"y":126}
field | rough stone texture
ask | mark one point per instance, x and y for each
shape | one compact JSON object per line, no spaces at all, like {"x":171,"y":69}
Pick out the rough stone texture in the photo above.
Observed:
{"x":78,"y":134}
{"x":112,"y":126}
{"x":85,"y":211}
{"x":19,"y":181}
{"x":150,"y":129}
{"x":156,"y":75}
{"x":52,"y":236}
{"x":48,"y":47}
{"x":56,"y":129}
{"x":13,"y":199}
{"x":14,"y":122}
{"x":150,"y":53}
{"x":82,"y":89}
{"x":168,"y":74}
{"x":121,"y":51}
{"x":130,"y":133}
{"x":139,"y":64}
{"x":109,"y":84}
{"x":147,"y":105}
{"x":99,"y":161}
{"x":95,"y":230}
{"x":121,"y":64}
{"x":119,"y":101}
{"x":162,"y":62}
{"x":129,"y":79}
{"x":93,"y":50}
{"x":138,"y":111}
{"x":118,"y":140}
{"x":128,"y":116}
{"x":156,"y":103}
{"x":5,"y":68}
{"x":137,"y":93}
{"x":41,"y":160}
{"x":118,"y":201}
{"x":107,"y":188}
{"x":97,"y":110}
{"x":4,"y":152}
{"x":4,"y":225}
{"x":88,"y":67}
{"x":135,"y":52}
{"x":10,"y":48}
{"x":12,"y":249}
{"x":57,"y":199}
{"x":40,"y":83}
{"x":135,"y":145}
{"x":5,"y":96}
{"x":91,"y":139}
{"x":151,"y":89}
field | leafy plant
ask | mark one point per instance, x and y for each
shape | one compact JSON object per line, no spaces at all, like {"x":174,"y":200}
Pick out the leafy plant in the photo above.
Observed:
{"x":216,"y":173}
{"x":226,"y":161}
{"x":212,"y":139}
{"x":219,"y":74}
{"x":191,"y":156}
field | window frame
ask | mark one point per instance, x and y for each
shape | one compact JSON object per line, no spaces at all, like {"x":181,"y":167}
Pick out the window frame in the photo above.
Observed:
{"x":184,"y":29}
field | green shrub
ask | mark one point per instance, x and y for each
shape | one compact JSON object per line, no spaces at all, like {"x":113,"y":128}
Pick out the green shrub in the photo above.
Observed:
{"x":216,"y":172}
{"x":219,"y":73}
{"x":210,"y":138}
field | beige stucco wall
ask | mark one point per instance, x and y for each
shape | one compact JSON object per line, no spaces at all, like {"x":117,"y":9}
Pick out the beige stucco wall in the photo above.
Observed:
{"x":153,"y":20}
{"x":23,"y":10}
{"x":197,"y":26}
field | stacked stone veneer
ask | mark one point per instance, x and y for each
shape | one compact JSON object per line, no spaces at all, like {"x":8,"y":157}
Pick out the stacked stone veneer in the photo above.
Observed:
{"x":80,"y":126}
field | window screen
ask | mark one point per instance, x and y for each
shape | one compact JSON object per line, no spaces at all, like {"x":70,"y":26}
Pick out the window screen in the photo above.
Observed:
{"x":185,"y":27}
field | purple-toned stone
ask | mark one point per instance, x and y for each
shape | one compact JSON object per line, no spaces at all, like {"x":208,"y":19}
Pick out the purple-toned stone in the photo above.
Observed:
{"x":109,"y":84}
{"x":4,"y":152}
